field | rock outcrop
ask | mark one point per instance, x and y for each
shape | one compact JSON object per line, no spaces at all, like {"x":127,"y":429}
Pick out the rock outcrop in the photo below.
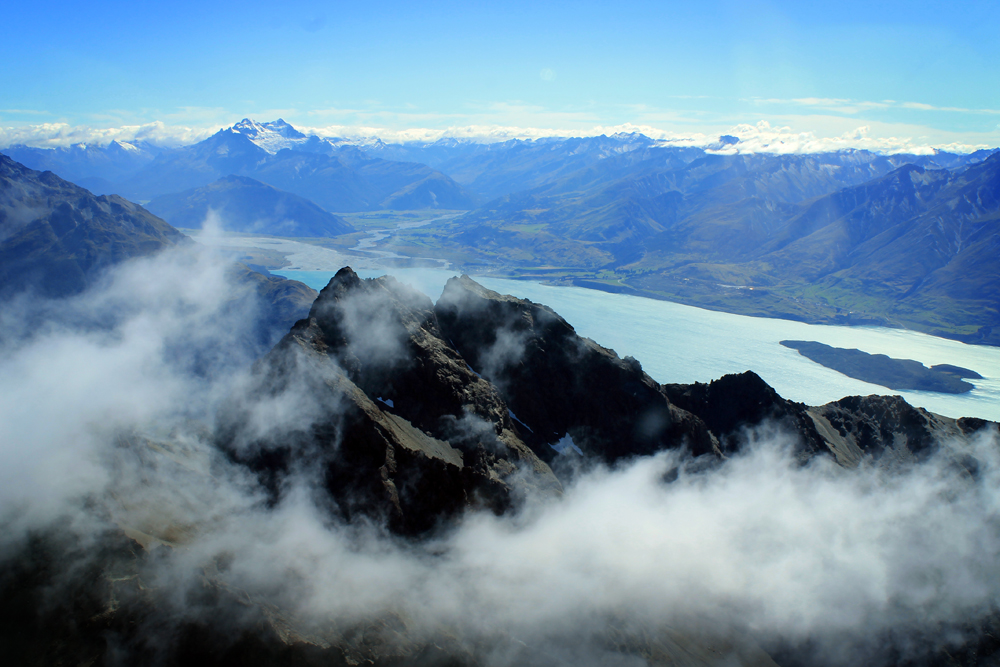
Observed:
{"x":558,"y":383}
{"x":420,"y":412}
{"x":406,"y":431}
{"x":886,"y":429}
{"x":739,"y":401}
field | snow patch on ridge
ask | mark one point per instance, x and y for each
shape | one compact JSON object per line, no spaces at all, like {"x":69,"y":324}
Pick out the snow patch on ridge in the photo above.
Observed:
{"x":514,"y":417}
{"x":565,"y":444}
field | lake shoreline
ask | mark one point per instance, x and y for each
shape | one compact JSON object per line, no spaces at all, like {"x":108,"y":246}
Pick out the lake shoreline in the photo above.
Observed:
{"x":737,"y":300}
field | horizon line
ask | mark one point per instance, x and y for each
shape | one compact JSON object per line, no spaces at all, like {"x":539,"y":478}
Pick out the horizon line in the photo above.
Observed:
{"x":760,"y":137}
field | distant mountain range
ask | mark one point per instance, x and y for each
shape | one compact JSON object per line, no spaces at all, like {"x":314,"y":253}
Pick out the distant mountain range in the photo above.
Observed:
{"x":917,"y":246}
{"x":336,"y":176}
{"x":908,"y":240}
{"x":96,"y":168}
{"x":849,"y":236}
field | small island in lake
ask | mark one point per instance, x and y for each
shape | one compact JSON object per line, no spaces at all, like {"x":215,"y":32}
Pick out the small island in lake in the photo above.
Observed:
{"x":880,"y":369}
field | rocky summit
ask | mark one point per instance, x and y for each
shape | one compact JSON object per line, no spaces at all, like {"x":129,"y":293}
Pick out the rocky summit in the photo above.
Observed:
{"x":410,"y":433}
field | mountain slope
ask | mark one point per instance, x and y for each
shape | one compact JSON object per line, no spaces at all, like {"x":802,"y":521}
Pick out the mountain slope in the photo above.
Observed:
{"x":643,"y":198}
{"x":97,"y":168}
{"x":57,"y":237}
{"x":246,"y":205}
{"x":57,"y":240}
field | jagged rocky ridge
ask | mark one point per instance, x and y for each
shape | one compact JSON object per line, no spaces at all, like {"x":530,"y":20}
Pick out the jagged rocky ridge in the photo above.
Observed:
{"x":424,"y":412}
{"x":412,"y":435}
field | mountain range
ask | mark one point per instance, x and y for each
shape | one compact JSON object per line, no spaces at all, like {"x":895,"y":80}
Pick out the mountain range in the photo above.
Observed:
{"x":335,"y":176}
{"x":847,"y":237}
{"x":57,"y":237}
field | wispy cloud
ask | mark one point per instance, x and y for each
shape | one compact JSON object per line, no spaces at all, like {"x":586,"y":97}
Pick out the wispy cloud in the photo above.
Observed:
{"x":850,"y":106}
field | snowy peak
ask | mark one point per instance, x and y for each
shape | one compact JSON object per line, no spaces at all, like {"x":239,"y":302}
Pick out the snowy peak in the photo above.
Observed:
{"x":123,"y":147}
{"x":272,"y":136}
{"x":284,"y":129}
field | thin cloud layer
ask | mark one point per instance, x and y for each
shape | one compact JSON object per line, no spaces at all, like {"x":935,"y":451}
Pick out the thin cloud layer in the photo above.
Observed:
{"x":761,"y":137}
{"x":849,"y":106}
{"x":55,"y":135}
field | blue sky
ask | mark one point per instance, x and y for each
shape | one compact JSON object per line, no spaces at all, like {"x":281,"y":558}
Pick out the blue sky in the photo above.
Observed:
{"x":924,"y":70}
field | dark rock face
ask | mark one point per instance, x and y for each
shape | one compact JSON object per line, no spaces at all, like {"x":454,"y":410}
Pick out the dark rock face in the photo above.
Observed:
{"x":734,"y":402}
{"x":558,"y":383}
{"x":885,"y":427}
{"x":855,"y":429}
{"x":406,"y":431}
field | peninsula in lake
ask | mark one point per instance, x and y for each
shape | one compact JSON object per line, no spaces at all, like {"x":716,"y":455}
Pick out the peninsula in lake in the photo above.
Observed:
{"x":880,"y":369}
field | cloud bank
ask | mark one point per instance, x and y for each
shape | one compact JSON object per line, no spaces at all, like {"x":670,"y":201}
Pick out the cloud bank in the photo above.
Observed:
{"x":108,"y":401}
{"x":56,"y":135}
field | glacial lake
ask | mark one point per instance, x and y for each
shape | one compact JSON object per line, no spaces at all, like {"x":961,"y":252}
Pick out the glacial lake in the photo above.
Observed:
{"x":684,"y":344}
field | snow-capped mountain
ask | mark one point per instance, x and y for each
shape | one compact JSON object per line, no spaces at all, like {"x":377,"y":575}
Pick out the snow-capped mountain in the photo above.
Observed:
{"x":272,"y":136}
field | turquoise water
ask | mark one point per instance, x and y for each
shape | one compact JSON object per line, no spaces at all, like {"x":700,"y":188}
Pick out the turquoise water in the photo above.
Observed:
{"x":678,"y":343}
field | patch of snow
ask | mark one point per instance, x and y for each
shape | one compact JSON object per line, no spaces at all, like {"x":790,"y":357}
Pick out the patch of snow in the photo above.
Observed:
{"x":126,"y":146}
{"x":514,"y":417}
{"x":566,"y":442}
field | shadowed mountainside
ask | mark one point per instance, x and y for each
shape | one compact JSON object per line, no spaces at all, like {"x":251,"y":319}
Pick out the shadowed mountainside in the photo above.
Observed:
{"x":57,"y":240}
{"x":57,"y":237}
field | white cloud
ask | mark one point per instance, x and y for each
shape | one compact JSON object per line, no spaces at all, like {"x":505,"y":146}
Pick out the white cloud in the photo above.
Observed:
{"x":52,"y":135}
{"x":850,"y":106}
{"x":838,"y":132}
{"x":763,"y":138}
